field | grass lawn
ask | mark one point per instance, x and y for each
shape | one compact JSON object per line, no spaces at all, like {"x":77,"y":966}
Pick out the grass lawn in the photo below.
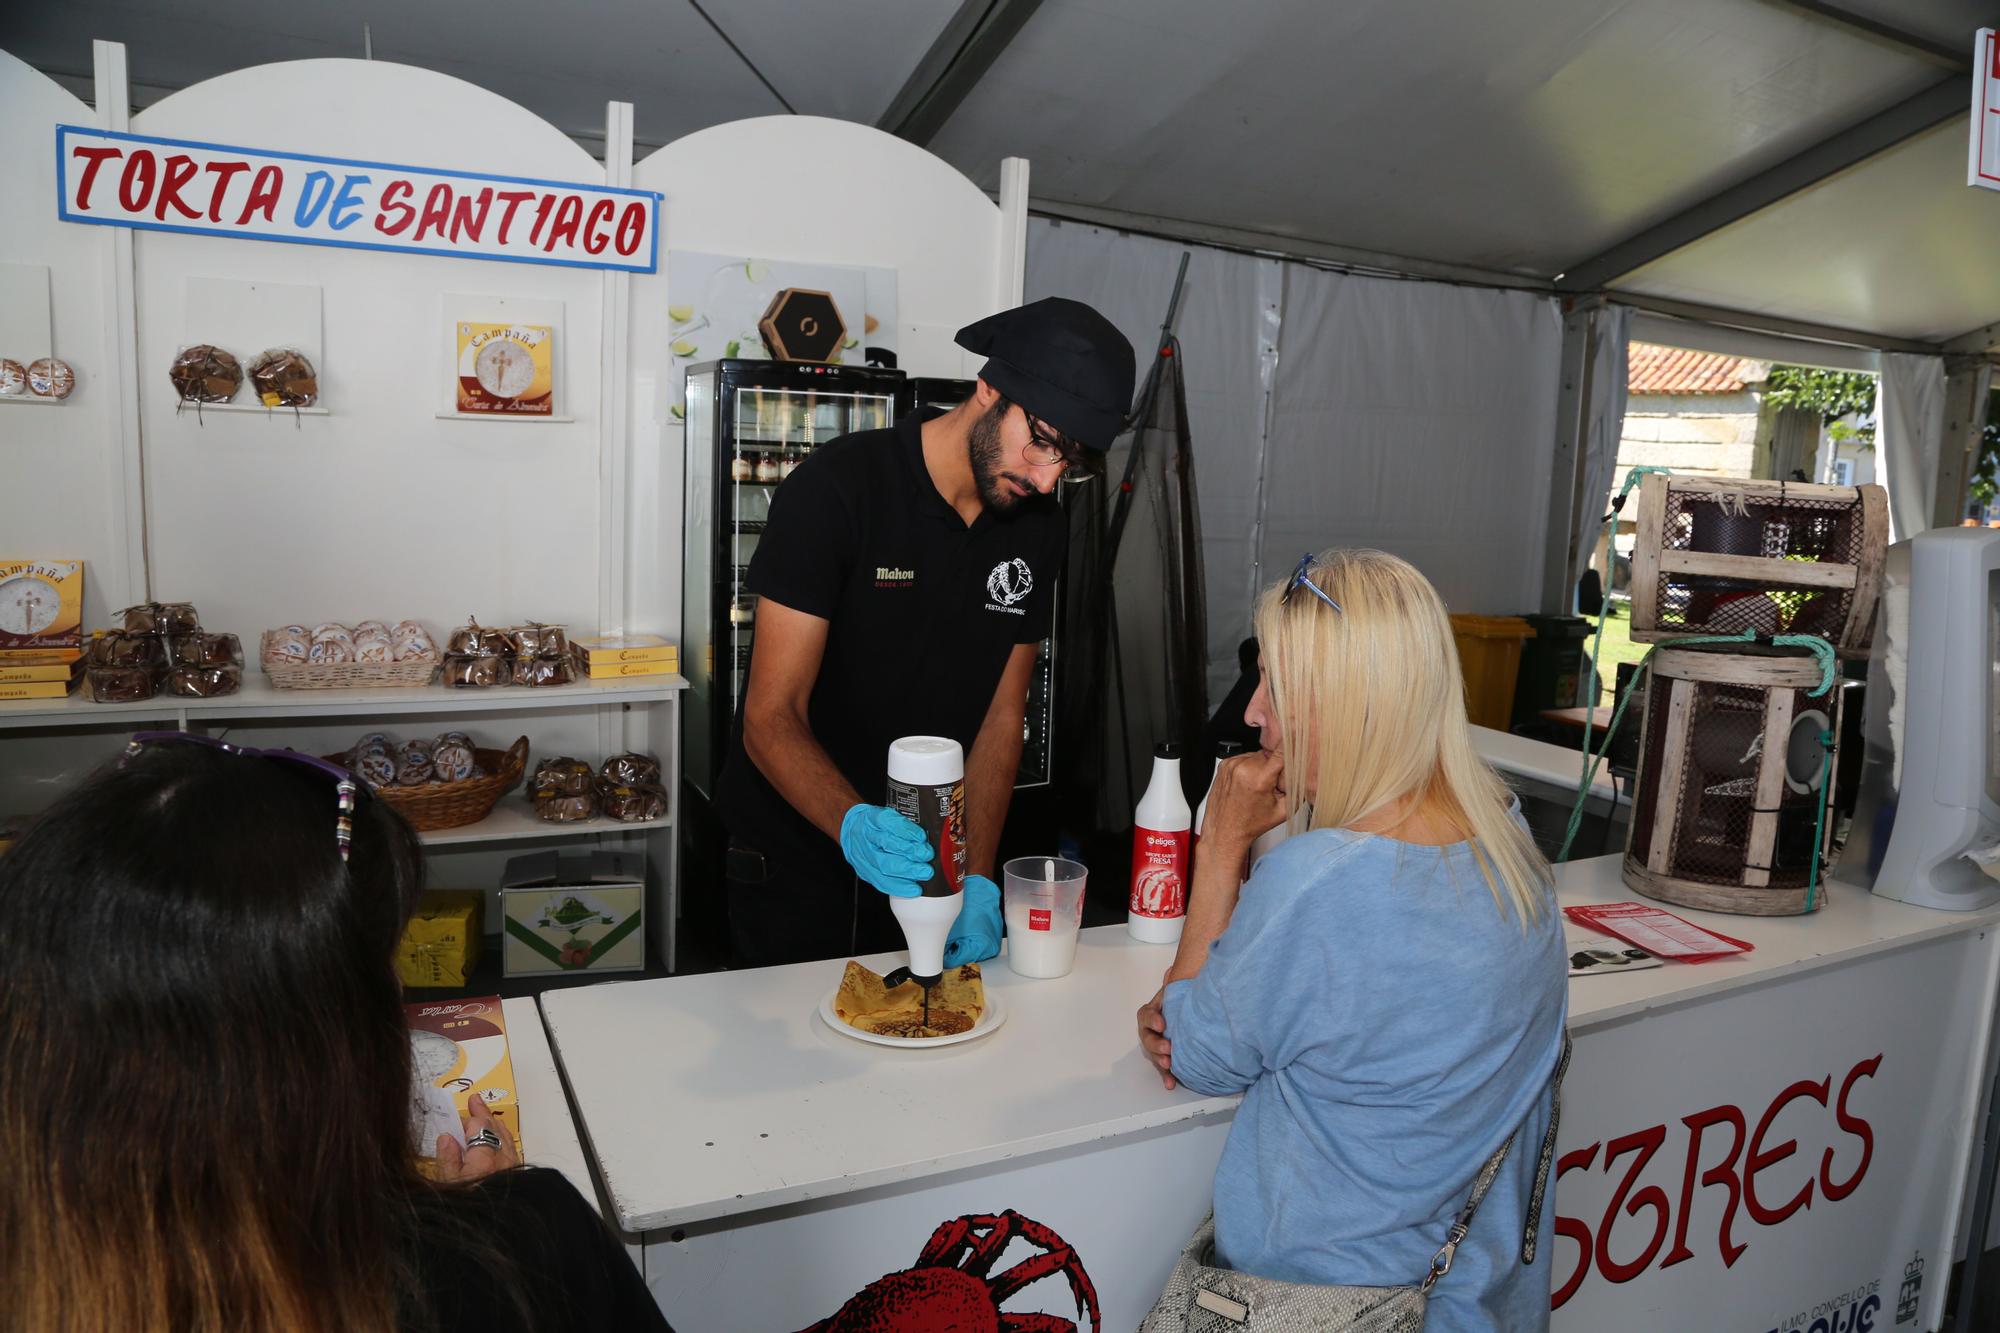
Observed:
{"x":1617,"y":647}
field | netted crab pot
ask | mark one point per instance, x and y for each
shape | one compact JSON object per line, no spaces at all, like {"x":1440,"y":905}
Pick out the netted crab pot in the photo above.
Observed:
{"x":1725,"y":555}
{"x":1736,"y":751}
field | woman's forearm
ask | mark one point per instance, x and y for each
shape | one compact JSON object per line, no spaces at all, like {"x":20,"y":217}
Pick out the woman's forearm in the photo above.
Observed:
{"x":1218,"y":870}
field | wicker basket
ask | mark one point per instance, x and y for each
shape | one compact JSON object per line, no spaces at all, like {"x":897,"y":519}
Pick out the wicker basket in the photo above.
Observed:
{"x":346,"y":675}
{"x":442,"y":805}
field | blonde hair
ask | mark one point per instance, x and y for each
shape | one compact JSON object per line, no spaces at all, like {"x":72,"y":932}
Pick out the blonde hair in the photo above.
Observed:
{"x":1372,"y":693}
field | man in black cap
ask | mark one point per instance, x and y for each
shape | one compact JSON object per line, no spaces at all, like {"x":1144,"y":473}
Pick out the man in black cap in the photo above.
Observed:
{"x":905,"y":578}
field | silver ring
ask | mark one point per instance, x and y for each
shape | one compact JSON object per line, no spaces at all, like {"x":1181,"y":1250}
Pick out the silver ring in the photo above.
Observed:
{"x":485,"y":1138}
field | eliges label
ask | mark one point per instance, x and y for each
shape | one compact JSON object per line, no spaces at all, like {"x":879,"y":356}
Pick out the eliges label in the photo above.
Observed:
{"x":1159,"y":872}
{"x":940,"y":812}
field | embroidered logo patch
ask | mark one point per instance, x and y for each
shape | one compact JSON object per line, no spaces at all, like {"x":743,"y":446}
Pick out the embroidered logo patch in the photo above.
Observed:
{"x":1010,"y":581}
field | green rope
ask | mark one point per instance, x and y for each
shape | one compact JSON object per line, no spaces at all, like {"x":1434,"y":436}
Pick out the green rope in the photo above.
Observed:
{"x":1819,"y":817}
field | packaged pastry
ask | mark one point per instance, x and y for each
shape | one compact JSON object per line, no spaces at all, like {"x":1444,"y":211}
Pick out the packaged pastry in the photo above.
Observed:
{"x":543,"y":671}
{"x":330,"y":652}
{"x":566,"y":809}
{"x":635,"y":804}
{"x":373,"y":741}
{"x":473,"y":639}
{"x":127,"y":650}
{"x":141,"y":619}
{"x":561,"y":777}
{"x":299,"y":630}
{"x":288,"y":647}
{"x":630,"y":770}
{"x":283,"y":377}
{"x":413,"y":770}
{"x":475,"y":672}
{"x":205,"y":650}
{"x":50,"y":378}
{"x":204,"y":682}
{"x":374,"y":767}
{"x":13,"y":379}
{"x":120,"y":684}
{"x":177,"y":618}
{"x":453,"y":759}
{"x":458,"y":736}
{"x":538,"y":640}
{"x":332,"y":630}
{"x":205,"y":374}
{"x":375,"y":651}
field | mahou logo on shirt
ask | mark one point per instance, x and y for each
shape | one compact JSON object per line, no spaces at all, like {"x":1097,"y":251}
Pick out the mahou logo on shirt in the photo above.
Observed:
{"x":1009,"y":583}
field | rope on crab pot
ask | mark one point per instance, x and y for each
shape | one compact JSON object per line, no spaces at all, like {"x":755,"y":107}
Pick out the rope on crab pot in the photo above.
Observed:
{"x":1632,"y":480}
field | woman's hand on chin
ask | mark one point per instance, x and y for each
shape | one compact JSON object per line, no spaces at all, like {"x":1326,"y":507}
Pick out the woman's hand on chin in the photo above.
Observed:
{"x":1247,"y":798}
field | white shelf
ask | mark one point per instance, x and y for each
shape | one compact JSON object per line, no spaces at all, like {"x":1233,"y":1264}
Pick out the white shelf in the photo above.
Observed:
{"x":260,"y":699}
{"x":514,"y":820}
{"x":32,"y":400}
{"x":498,"y":416}
{"x":189,"y":408}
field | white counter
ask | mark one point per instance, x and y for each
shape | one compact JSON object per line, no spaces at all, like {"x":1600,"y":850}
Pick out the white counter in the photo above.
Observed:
{"x":548,"y":1131}
{"x":1553,"y":769}
{"x":727,"y":1119}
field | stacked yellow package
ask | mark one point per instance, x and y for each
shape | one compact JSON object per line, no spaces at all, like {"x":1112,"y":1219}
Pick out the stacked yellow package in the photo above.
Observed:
{"x":41,"y":627}
{"x":440,"y":945}
{"x":613,"y":656}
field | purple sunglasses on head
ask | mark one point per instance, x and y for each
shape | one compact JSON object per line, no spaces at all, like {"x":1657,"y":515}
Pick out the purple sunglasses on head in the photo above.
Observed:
{"x":345,"y":787}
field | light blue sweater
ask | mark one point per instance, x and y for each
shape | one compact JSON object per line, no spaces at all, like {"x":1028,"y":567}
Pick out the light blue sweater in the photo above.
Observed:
{"x":1389,"y":1025}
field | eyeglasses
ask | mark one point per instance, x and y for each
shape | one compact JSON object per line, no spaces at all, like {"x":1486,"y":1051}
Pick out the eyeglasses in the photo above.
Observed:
{"x":345,"y":787}
{"x":1047,"y":445}
{"x":1302,"y":578}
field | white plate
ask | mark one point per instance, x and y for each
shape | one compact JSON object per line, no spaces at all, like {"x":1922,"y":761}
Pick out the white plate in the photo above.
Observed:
{"x":992,"y":1016}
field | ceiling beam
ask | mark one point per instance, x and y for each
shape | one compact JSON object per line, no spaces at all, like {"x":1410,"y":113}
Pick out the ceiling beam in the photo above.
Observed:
{"x":1777,"y":324}
{"x":972,"y":40}
{"x":1955,"y":59}
{"x":1853,"y":145}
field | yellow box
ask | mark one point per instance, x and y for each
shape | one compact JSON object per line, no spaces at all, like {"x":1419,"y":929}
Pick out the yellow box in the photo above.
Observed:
{"x":616,"y":649}
{"x":621,"y":670}
{"x":506,"y":369}
{"x":35,"y":674}
{"x":460,"y":1048}
{"x":41,"y":605}
{"x":36,"y":689}
{"x":440,"y":945}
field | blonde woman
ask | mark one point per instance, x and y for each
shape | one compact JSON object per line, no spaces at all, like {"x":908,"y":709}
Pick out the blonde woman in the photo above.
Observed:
{"x":1388,"y":989}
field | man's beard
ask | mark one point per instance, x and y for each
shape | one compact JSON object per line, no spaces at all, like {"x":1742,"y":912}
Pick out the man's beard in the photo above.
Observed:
{"x":984,"y":447}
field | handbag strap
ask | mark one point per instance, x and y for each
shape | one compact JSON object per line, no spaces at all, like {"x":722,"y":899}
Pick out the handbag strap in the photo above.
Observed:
{"x":1462,"y":1224}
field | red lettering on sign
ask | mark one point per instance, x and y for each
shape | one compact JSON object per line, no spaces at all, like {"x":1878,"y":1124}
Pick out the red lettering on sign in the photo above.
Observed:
{"x":224,"y":172}
{"x":1723,"y":1173}
{"x":437,"y":212}
{"x":464,"y":221}
{"x":541,"y":219}
{"x":393,"y":196}
{"x":264,"y":192}
{"x":594,"y":240}
{"x":135,"y":185}
{"x":569,"y":213}
{"x":93,"y":158}
{"x":1854,"y":1125}
{"x":513,"y":199}
{"x":1759,"y":1159}
{"x":1647,"y":1142}
{"x":631,"y":229}
{"x":180,"y":170}
{"x":1577,"y":1160}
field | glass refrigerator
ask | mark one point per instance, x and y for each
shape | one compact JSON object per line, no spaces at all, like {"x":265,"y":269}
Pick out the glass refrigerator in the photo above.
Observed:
{"x":749,"y":424}
{"x":1038,"y":723}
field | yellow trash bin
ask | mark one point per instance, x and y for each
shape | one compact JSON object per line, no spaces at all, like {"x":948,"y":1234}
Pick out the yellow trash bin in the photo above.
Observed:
{"x":1489,"y":653}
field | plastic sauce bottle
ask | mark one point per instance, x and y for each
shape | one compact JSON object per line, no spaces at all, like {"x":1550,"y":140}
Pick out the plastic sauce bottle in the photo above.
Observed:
{"x":1223,"y":750}
{"x":1161,"y":854}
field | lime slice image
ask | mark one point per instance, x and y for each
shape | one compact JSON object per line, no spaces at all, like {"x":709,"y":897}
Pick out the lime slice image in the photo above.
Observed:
{"x":680,"y":314}
{"x":684,"y":347}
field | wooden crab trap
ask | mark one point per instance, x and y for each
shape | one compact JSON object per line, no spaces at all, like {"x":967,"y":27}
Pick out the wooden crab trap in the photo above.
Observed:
{"x":1727,"y":813}
{"x":1721,"y":556}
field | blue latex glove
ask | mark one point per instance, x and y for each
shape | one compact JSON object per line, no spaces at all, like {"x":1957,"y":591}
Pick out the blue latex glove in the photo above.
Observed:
{"x":975,"y":936}
{"x":886,"y":849}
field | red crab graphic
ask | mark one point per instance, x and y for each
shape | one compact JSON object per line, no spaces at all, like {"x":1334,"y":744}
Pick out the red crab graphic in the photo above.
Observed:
{"x":949,"y":1291}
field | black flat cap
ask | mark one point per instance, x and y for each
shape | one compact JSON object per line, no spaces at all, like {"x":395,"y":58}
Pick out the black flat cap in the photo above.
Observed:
{"x":1060,"y":360}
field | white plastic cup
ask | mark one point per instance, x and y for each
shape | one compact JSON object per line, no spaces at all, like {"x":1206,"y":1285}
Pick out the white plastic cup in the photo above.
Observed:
{"x":1042,"y":899}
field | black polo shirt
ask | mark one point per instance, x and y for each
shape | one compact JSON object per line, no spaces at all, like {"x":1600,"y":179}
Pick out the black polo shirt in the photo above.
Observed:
{"x":923,"y":612}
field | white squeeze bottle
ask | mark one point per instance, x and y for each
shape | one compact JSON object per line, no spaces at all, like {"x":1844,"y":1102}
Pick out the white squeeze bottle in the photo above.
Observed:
{"x":1161,"y":846}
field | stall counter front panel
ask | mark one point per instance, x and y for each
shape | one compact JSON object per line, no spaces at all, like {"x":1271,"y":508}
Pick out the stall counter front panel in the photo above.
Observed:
{"x":1755,"y":1144}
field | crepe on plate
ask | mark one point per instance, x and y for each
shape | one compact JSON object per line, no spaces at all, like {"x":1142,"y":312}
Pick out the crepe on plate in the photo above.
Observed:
{"x":864,"y":1002}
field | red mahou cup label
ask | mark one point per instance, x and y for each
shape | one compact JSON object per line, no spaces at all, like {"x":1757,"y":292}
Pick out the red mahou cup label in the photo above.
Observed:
{"x":1038,"y":918}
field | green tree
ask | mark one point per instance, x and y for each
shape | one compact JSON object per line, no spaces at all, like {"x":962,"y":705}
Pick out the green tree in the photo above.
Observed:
{"x":1831,"y":393}
{"x":1985,"y":480}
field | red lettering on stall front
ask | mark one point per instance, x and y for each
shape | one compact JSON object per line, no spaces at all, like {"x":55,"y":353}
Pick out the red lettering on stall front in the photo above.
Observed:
{"x":224,"y":172}
{"x":569,"y":214}
{"x":437,"y":212}
{"x":1854,"y":1125}
{"x":594,"y":240}
{"x":180,"y":170}
{"x":631,"y":229}
{"x":1647,"y":1142}
{"x":135,"y":183}
{"x":463,"y":220}
{"x":393,"y":196}
{"x":1759,"y":1159}
{"x":1736,"y":1172}
{"x":93,"y":158}
{"x":1577,"y":1160}
{"x":264,"y":192}
{"x":541,"y":219}
{"x":1723,"y":1173}
{"x":513,"y":199}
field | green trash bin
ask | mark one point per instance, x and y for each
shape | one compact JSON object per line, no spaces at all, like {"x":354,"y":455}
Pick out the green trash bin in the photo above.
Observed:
{"x":1551,"y":665}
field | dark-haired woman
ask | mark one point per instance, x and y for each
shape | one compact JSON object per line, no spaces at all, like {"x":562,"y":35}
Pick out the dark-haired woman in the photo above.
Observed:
{"x":205,"y":1078}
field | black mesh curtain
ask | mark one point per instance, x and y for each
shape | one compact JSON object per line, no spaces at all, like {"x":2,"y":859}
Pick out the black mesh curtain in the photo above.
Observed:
{"x":1135,"y":669}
